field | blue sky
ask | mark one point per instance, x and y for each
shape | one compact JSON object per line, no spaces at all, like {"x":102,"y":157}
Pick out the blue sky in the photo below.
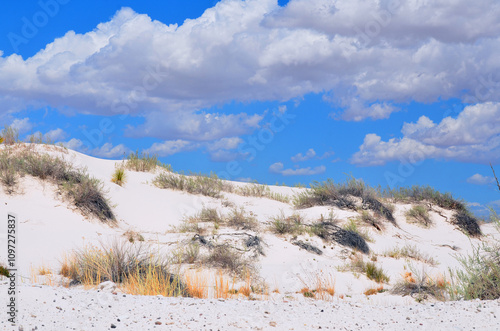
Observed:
{"x":396,"y":93}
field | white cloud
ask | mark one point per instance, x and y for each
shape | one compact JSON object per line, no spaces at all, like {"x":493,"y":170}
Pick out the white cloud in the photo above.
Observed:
{"x":479,"y":179}
{"x":22,"y":125}
{"x":474,"y":136}
{"x":56,"y":135}
{"x":278,"y":168}
{"x":170,"y":147}
{"x":299,"y":157}
{"x":255,"y":50}
{"x":107,"y":150}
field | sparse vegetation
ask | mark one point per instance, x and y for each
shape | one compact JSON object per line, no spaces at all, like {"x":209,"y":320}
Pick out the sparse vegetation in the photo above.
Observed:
{"x":370,"y":269}
{"x":351,"y":226}
{"x":411,"y":252}
{"x":210,"y":186}
{"x":4,"y":271}
{"x":425,"y":193}
{"x":85,"y":192}
{"x":239,"y":220}
{"x":420,"y":287}
{"x":133,"y":236}
{"x":228,"y":258}
{"x":10,"y":135}
{"x":343,"y":196}
{"x":144,"y":162}
{"x":261,"y":191}
{"x":287,"y":225}
{"x":419,"y":214}
{"x":331,"y":232}
{"x":119,"y":176}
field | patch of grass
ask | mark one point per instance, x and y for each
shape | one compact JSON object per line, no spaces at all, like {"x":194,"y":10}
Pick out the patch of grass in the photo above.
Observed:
{"x":261,"y":191}
{"x":282,"y":224}
{"x":210,"y":186}
{"x":239,"y":220}
{"x":420,"y":287}
{"x":343,"y":196}
{"x":228,"y":258}
{"x":467,"y":223}
{"x":411,"y":252}
{"x":331,"y":232}
{"x":134,"y":266}
{"x":85,"y":192}
{"x":370,"y":269}
{"x":144,"y":162}
{"x":368,"y":219}
{"x":479,"y":277}
{"x":418,"y":193}
{"x":10,"y":135}
{"x":119,"y":176}
{"x":419,"y":214}
{"x":372,"y":291}
{"x":4,"y":271}
{"x":351,"y":226}
{"x":191,"y":253}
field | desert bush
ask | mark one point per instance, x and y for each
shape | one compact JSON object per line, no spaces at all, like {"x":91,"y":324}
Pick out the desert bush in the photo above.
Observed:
{"x":420,"y":286}
{"x":418,"y":193}
{"x":331,"y":232}
{"x":353,"y":227}
{"x":8,"y":173}
{"x":119,"y":176}
{"x":228,"y":258}
{"x":132,"y":265}
{"x":191,"y":253}
{"x":342,"y":195}
{"x":467,"y":223}
{"x":210,"y":215}
{"x":10,"y":135}
{"x":412,"y":252}
{"x":261,"y":191}
{"x":239,"y":220}
{"x":368,"y":219}
{"x":420,"y":215}
{"x":287,"y":225}
{"x":4,"y":271}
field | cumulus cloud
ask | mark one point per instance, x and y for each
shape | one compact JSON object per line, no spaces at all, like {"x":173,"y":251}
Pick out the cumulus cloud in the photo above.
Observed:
{"x":56,"y":135}
{"x":22,"y":125}
{"x":474,"y":136}
{"x":384,"y":52}
{"x":170,"y":147}
{"x":299,"y":157}
{"x":106,"y":151}
{"x":278,"y":168}
{"x":479,"y":179}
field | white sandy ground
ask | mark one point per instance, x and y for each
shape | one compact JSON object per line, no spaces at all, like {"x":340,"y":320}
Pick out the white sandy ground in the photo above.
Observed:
{"x":49,"y":228}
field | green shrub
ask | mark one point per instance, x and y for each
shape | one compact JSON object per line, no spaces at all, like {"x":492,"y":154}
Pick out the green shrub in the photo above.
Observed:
{"x":375,"y":273}
{"x":467,"y":223}
{"x":353,"y":227}
{"x":239,"y":220}
{"x":287,"y":225}
{"x":425,"y":193}
{"x":227,"y":257}
{"x":420,"y":215}
{"x":144,"y":162}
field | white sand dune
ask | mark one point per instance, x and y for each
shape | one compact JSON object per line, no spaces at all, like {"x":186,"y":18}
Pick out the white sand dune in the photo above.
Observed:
{"x":50,"y":227}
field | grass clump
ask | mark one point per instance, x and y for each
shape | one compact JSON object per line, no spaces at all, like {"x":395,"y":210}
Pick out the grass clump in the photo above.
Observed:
{"x":420,"y":215}
{"x":343,"y":196}
{"x":467,"y":223}
{"x":287,"y":225}
{"x":411,"y":252}
{"x":420,"y":286}
{"x":10,"y":135}
{"x":144,"y":162}
{"x":329,"y":231}
{"x":261,"y":191}
{"x":4,"y":271}
{"x":418,"y":193}
{"x":119,"y":176}
{"x":133,"y":266}
{"x":370,"y":269}
{"x":210,"y":186}
{"x":239,"y":220}
{"x":228,"y":258}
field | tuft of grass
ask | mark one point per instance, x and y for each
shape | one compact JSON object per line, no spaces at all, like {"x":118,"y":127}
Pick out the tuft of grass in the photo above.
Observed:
{"x":196,"y":285}
{"x":287,"y":225}
{"x":370,"y":269}
{"x":420,"y":286}
{"x":144,"y":162}
{"x":467,"y":223}
{"x":134,"y":266}
{"x":133,"y":236}
{"x":261,"y":191}
{"x":412,"y":252}
{"x":10,"y":135}
{"x":331,"y":232}
{"x":119,"y":176}
{"x":210,"y":186}
{"x":420,"y":215}
{"x":239,"y":220}
{"x":372,"y":291}
{"x":228,"y":258}
{"x":4,"y":271}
